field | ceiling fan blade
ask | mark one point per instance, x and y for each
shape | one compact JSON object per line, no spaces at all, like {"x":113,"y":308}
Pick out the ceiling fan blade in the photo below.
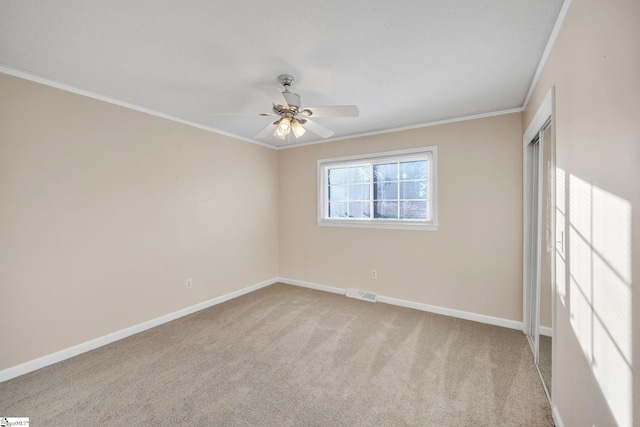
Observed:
{"x":266,"y":131}
{"x":318,"y":129}
{"x":243,"y":114}
{"x":275,"y":94}
{"x":332,"y":111}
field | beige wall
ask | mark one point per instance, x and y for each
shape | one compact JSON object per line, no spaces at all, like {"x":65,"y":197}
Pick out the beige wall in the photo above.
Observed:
{"x":472,"y":263}
{"x":105,"y":211}
{"x":595,"y":68}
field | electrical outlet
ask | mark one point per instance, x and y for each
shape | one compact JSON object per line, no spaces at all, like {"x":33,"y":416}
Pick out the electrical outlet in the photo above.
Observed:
{"x":374,"y":274}
{"x":188,"y":284}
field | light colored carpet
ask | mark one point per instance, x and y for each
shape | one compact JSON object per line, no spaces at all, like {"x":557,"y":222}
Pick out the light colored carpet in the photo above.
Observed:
{"x":289,"y":356}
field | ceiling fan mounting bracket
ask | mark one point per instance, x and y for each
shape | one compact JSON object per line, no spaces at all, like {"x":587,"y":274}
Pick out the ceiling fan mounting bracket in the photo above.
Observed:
{"x":286,"y":80}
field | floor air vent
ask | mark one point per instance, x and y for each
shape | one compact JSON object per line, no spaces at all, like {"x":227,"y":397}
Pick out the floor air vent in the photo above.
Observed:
{"x":367,"y":296}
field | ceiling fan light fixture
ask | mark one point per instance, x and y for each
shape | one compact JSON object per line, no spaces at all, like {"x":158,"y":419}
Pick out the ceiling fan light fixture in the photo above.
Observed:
{"x":279,"y":133}
{"x":285,"y":124}
{"x":297,"y":129}
{"x":283,"y":127}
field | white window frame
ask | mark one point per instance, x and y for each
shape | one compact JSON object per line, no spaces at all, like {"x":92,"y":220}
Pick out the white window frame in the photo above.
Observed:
{"x":390,"y":156}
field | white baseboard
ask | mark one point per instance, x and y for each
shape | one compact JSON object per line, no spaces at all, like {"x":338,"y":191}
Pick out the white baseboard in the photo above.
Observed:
{"x":333,"y":290}
{"x":556,"y":416}
{"x":67,"y":353}
{"x":481,"y":318}
{"x":545,"y":330}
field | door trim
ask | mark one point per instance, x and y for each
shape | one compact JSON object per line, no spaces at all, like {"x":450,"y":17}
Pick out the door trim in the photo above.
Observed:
{"x":546,"y":112}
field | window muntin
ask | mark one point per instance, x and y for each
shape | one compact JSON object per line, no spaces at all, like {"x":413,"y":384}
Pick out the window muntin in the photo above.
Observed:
{"x":394,"y":189}
{"x":348,"y":190}
{"x":400,"y":190}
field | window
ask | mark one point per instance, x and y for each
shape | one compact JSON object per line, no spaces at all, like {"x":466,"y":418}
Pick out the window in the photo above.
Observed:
{"x":383,"y":190}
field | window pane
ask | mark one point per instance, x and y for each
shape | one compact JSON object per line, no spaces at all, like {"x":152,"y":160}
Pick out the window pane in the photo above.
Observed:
{"x":413,"y":190}
{"x":359,"y":174}
{"x":337,"y":210}
{"x":413,"y":170}
{"x":359,"y":210}
{"x":386,"y":210}
{"x":338,"y":192}
{"x":359,"y":192}
{"x":413,"y":210}
{"x":338,"y":176}
{"x":385,"y":191}
{"x":385,"y":172}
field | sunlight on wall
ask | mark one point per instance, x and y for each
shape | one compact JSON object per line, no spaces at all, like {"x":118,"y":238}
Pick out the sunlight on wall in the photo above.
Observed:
{"x":600,"y":288}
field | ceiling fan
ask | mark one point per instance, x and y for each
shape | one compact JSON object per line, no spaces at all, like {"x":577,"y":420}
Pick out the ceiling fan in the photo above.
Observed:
{"x":293,"y":118}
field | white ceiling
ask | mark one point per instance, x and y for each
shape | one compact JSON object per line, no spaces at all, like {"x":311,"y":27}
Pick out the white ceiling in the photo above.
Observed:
{"x":404,"y":63}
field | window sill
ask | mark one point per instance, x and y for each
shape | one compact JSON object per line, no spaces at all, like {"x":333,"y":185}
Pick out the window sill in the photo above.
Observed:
{"x":392,"y":225}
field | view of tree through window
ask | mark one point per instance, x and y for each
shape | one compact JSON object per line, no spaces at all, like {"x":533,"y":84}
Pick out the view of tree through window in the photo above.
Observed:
{"x":400,"y":190}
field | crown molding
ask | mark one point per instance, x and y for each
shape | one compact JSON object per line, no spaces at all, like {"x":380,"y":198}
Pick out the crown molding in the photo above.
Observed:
{"x":418,"y":126}
{"x":547,"y":50}
{"x":73,"y":89}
